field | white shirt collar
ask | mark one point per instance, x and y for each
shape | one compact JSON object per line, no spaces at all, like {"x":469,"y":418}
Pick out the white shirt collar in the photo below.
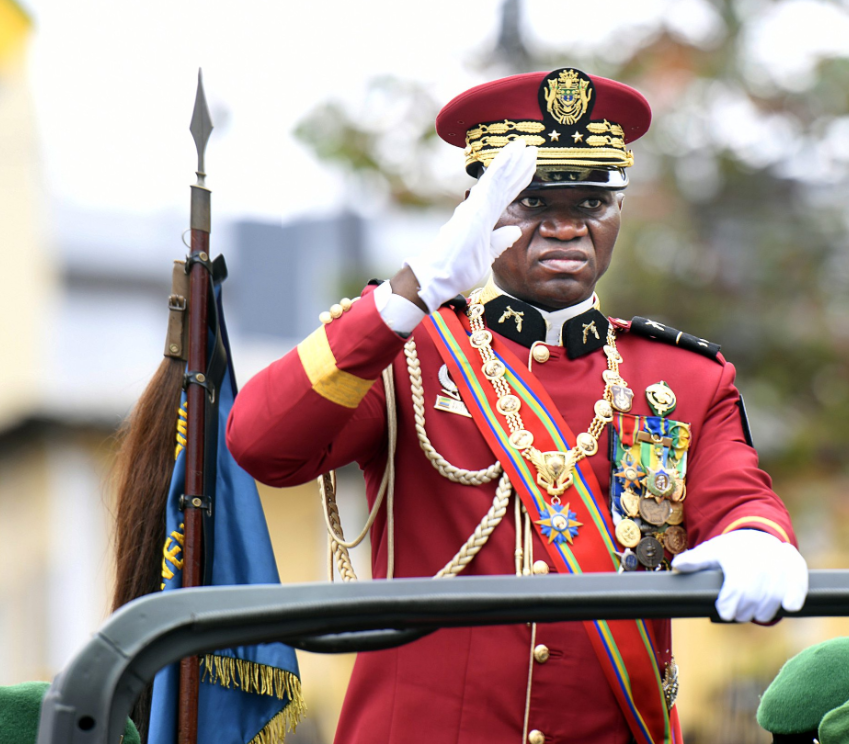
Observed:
{"x":555,"y":319}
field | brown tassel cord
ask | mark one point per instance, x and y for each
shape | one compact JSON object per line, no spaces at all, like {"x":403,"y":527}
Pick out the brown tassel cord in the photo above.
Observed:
{"x":141,"y":478}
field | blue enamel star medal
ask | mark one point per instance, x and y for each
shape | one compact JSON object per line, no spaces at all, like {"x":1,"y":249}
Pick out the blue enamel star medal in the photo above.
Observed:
{"x":559,"y":524}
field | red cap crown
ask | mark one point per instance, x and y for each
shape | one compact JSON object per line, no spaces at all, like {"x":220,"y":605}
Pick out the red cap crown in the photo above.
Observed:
{"x":576,"y":120}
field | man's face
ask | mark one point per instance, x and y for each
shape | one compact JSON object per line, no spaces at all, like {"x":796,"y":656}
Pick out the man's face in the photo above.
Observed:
{"x":566,"y":244}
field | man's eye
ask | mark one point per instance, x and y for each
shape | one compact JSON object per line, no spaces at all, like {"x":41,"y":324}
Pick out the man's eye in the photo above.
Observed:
{"x":592,"y":203}
{"x":532,"y":202}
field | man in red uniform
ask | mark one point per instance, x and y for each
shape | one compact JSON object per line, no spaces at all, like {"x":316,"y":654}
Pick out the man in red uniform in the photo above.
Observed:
{"x":534,"y":434}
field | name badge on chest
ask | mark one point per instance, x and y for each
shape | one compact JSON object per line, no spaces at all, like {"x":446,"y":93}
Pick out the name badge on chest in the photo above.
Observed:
{"x":449,"y":399}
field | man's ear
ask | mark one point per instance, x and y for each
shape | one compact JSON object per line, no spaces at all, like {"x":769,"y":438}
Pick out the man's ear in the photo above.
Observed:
{"x":466,"y":195}
{"x":620,"y":198}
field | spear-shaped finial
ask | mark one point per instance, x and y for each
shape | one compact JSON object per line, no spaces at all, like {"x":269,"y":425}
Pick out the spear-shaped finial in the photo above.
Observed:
{"x":201,"y":127}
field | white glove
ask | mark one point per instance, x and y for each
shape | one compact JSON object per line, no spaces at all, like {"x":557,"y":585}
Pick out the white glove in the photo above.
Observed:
{"x":761,"y":574}
{"x":467,"y":245}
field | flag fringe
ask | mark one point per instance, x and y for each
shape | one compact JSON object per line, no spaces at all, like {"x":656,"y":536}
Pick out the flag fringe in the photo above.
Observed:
{"x":274,"y":732}
{"x":259,"y":679}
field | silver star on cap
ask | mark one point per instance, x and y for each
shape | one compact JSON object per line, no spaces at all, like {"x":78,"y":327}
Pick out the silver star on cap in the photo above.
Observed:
{"x":554,"y":134}
{"x":578,"y":137}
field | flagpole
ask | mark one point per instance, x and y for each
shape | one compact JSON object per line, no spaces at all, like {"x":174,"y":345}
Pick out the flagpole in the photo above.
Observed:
{"x":196,"y":497}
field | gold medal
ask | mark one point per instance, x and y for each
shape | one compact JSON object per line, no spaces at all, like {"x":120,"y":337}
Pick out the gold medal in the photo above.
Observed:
{"x":661,"y":483}
{"x":653,"y":512}
{"x":627,"y":533}
{"x":676,"y":516}
{"x":675,"y":540}
{"x":521,"y":439}
{"x":508,"y":404}
{"x":630,"y":503}
{"x":494,"y":369}
{"x":661,"y":399}
{"x":554,"y":469}
{"x":480,"y":339}
{"x":603,"y":410}
{"x":587,"y":444}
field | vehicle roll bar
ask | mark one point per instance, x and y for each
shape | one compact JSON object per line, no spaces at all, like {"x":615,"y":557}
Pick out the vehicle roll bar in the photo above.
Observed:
{"x":89,"y":701}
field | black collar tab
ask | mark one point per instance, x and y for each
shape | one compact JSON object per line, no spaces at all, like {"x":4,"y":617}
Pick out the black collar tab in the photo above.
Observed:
{"x":514,"y":319}
{"x":584,"y":333}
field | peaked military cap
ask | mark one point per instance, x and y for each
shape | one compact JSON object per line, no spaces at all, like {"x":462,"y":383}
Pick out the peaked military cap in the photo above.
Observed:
{"x":810,"y":685}
{"x":580,"y":123}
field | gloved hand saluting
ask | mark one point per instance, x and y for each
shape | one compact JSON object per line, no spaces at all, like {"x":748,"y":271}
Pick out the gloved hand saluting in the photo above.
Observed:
{"x":761,"y":574}
{"x":467,"y":245}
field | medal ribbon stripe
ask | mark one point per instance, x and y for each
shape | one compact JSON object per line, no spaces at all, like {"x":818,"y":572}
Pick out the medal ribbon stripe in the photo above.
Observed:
{"x":618,"y":664}
{"x":621,"y":645}
{"x":626,"y":426}
{"x":671,"y":731}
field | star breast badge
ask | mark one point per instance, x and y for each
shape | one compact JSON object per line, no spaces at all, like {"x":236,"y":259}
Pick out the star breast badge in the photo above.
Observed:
{"x":559,"y":524}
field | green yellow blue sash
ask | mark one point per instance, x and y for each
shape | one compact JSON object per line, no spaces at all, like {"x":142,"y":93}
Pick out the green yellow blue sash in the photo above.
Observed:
{"x":624,"y":648}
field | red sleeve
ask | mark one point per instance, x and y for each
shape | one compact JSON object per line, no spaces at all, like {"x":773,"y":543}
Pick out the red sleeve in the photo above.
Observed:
{"x":730,"y":492}
{"x":319,"y":407}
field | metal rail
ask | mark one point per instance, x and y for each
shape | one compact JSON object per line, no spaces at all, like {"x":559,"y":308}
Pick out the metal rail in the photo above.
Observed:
{"x":91,"y":698}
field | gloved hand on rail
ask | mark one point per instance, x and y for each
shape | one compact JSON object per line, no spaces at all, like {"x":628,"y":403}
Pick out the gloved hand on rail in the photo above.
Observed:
{"x":762,"y":574}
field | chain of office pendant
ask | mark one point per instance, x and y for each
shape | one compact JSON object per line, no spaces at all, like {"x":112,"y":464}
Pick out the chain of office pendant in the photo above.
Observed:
{"x":509,"y":404}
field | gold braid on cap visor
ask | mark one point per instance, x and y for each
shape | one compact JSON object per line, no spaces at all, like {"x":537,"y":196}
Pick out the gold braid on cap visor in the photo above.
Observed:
{"x":603,"y":144}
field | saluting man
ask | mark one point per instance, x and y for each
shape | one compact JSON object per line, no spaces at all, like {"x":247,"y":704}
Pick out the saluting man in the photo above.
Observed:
{"x":534,"y":434}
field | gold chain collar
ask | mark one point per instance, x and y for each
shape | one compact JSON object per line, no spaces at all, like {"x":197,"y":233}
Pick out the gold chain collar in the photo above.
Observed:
{"x":554,"y":469}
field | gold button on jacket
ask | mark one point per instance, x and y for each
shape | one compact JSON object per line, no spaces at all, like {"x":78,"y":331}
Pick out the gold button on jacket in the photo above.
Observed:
{"x":540,"y":567}
{"x":536,"y":737}
{"x":541,"y":653}
{"x":541,"y":353}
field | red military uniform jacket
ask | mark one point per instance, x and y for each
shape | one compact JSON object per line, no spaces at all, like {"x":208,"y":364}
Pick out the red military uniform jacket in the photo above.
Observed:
{"x":323,"y":406}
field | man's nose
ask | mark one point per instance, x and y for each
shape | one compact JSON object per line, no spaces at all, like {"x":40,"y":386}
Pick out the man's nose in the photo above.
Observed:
{"x":563,"y":227}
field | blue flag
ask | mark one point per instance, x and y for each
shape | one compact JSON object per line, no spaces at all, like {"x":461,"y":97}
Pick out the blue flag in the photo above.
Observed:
{"x":248,"y":694}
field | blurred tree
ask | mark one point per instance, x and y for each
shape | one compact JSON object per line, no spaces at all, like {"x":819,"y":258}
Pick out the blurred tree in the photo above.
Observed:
{"x":735,"y":227}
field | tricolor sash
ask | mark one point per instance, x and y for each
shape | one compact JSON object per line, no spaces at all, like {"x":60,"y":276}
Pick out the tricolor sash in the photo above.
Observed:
{"x":625,"y":648}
